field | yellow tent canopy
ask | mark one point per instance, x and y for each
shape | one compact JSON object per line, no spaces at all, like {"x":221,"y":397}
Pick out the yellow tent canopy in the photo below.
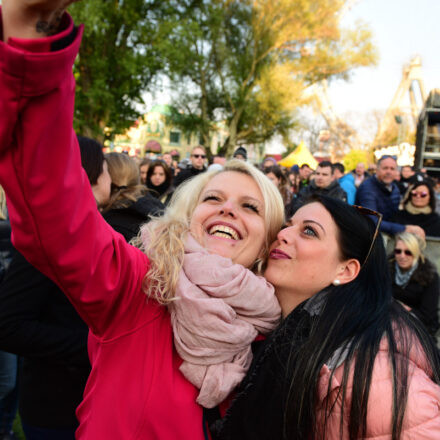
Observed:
{"x":299,"y":156}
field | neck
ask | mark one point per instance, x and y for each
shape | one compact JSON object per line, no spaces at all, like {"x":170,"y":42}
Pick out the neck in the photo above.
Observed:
{"x":289,"y":300}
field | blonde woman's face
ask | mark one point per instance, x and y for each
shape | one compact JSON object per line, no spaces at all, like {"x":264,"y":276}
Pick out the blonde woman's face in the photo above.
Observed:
{"x":404,"y":257}
{"x":229,"y":218}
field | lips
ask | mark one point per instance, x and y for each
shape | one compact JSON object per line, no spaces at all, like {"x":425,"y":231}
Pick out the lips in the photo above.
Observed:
{"x":277,"y":254}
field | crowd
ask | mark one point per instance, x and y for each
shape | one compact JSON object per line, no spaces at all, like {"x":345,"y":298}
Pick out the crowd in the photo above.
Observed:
{"x":150,"y":299}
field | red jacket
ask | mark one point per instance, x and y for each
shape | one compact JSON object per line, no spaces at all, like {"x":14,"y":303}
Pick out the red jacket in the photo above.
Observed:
{"x":135,"y":390}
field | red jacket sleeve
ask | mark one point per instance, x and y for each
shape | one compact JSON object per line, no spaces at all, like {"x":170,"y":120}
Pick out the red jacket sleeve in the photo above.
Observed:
{"x":54,"y":218}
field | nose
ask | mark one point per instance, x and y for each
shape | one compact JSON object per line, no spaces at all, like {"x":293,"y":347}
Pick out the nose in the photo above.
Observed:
{"x":286,"y":234}
{"x":228,"y":208}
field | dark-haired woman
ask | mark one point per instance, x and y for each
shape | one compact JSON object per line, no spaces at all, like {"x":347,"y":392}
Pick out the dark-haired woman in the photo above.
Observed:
{"x":415,"y":280}
{"x":130,"y":204}
{"x":276,"y":175}
{"x":419,"y":209}
{"x":160,"y":181}
{"x":347,"y":362}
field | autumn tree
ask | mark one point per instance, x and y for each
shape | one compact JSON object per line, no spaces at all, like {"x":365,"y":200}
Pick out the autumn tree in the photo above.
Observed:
{"x":118,"y":58}
{"x":247,"y":62}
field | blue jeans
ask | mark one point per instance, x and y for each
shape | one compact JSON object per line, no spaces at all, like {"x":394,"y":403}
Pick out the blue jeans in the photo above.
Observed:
{"x":8,"y":390}
{"x":34,"y":433}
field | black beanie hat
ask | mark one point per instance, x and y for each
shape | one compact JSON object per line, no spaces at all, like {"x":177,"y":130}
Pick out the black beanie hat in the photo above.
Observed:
{"x":240,"y":151}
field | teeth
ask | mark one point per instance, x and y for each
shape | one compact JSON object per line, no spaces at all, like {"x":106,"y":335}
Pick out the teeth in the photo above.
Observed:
{"x":223,"y":231}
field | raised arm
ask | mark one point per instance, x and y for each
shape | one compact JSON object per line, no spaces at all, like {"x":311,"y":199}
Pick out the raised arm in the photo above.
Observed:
{"x":54,"y":219}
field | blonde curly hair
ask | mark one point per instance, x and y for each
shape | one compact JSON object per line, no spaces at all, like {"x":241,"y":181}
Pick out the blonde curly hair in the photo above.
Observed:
{"x":162,"y":239}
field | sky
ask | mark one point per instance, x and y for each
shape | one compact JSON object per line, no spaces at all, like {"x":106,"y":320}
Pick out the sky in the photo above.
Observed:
{"x":401,"y":29}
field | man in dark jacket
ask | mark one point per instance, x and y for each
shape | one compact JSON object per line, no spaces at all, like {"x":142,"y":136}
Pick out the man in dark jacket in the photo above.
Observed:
{"x":323,"y":183}
{"x":198,"y":159}
{"x":381,"y":193}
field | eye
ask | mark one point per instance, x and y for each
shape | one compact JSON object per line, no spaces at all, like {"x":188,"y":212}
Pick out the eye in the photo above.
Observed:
{"x":309,"y":231}
{"x":251,"y":207}
{"x":212,"y":197}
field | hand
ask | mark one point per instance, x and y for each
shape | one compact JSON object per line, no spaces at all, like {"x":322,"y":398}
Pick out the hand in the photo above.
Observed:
{"x":417,"y":230}
{"x":32,"y":18}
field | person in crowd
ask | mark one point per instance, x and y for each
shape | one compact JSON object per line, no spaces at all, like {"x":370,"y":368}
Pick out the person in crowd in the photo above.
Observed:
{"x":380,"y":193}
{"x":359,"y":174}
{"x":294,"y":179}
{"x":160,"y":181}
{"x":8,"y":361}
{"x":346,"y":362}
{"x":268,"y":163}
{"x":168,"y":159}
{"x":143,"y":169}
{"x":304,"y":172}
{"x":419,"y":208}
{"x":219,"y":226}
{"x":372,"y":167}
{"x":240,"y":153}
{"x":219,"y":159}
{"x":346,"y":181}
{"x":276,"y":175}
{"x":406,"y":178}
{"x":197,"y":166}
{"x":415,"y":280}
{"x":130,"y":203}
{"x":38,"y":323}
{"x":323,"y":183}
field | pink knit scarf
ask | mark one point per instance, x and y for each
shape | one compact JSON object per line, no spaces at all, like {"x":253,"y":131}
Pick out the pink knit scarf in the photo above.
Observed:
{"x":220,"y":309}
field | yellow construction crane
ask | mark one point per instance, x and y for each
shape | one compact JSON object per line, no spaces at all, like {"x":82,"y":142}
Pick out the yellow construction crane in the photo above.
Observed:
{"x":398,"y":112}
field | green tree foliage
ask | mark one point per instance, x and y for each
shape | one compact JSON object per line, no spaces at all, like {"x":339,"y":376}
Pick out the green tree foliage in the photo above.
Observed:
{"x":246,"y":63}
{"x":119,"y":56}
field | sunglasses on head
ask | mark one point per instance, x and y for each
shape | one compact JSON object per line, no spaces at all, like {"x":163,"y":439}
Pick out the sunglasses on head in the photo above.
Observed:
{"x":422,"y":194}
{"x":406,"y":252}
{"x":197,"y":156}
{"x":367,"y":211}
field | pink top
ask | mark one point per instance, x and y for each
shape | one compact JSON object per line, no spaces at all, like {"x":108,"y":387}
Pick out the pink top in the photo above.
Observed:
{"x":135,"y":390}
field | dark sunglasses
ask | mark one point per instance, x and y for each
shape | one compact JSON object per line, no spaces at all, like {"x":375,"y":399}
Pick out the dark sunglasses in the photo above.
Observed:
{"x":367,"y":211}
{"x":422,"y":194}
{"x":197,"y":156}
{"x":406,"y":252}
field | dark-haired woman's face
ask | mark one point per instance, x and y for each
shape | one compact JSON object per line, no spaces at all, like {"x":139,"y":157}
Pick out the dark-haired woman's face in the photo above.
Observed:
{"x":420,"y":196}
{"x":158,"y":176}
{"x":305,"y":258}
{"x":274,"y":179}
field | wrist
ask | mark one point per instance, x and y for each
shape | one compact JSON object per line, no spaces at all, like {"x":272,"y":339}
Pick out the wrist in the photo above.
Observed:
{"x":27,"y":22}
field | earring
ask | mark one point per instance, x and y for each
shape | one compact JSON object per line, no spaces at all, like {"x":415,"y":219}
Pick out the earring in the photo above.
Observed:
{"x":336,"y":282}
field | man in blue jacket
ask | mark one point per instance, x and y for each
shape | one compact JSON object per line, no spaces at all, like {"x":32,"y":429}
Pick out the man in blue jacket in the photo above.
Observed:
{"x":381,"y":193}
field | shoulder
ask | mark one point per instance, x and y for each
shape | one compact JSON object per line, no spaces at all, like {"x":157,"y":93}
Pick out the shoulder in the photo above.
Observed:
{"x":422,"y":413}
{"x":425,"y":274}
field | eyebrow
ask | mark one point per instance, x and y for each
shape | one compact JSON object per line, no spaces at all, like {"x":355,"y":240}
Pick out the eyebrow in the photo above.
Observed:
{"x":315,"y":223}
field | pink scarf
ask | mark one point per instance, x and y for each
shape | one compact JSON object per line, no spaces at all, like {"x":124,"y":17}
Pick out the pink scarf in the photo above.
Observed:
{"x":221,"y":307}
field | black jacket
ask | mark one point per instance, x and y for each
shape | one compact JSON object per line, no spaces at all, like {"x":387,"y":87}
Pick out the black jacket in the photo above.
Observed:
{"x":39,"y":323}
{"x":333,"y":190}
{"x":421,"y":293}
{"x":127,"y":221}
{"x":186,"y":174}
{"x":5,"y":247}
{"x":430,"y":223}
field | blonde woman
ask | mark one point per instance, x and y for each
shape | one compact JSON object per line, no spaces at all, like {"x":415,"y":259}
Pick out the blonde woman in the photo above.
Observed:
{"x":415,"y":280}
{"x":130,"y":203}
{"x":225,"y":221}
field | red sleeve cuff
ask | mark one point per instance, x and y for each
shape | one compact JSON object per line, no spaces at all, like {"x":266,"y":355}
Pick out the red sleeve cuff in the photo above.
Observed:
{"x":56,"y":42}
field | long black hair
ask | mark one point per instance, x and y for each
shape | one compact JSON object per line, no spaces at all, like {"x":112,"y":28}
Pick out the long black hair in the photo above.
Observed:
{"x":353,"y":321}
